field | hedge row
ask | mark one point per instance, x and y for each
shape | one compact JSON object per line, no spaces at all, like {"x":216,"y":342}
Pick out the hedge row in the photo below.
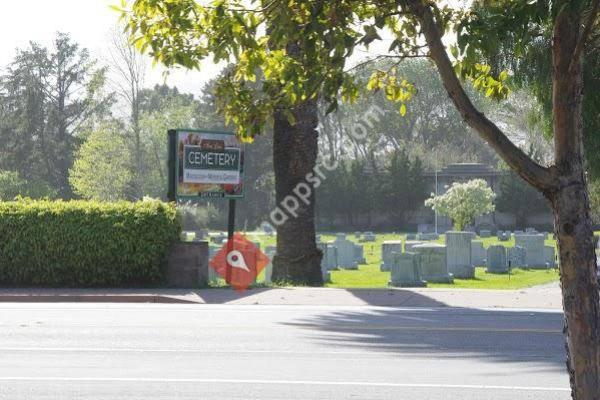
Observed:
{"x":85,"y":243}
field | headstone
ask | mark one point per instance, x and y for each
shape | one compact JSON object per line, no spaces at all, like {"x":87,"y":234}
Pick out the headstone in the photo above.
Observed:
{"x":458,"y":254}
{"x":496,"y":259}
{"x":187,"y":265}
{"x":534,"y":247}
{"x":268,"y":271}
{"x":318,"y":238}
{"x":428,"y":236}
{"x":357,"y":235}
{"x":213,"y":277}
{"x":434,"y":267}
{"x":485,"y":233}
{"x":369,"y":237}
{"x":518,"y":233}
{"x":329,"y":259}
{"x":549,"y":256}
{"x":405,"y":270}
{"x":359,"y":254}
{"x":345,"y":252}
{"x":503,"y":236}
{"x":387,"y":248}
{"x":478,"y":253}
{"x":517,"y":257}
{"x":409,"y":244}
{"x":530,"y":230}
{"x":219,"y":238}
{"x":200,"y":235}
{"x":411,"y":236}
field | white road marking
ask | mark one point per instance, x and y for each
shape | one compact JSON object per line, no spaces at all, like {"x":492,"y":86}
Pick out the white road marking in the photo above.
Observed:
{"x":280,"y":382}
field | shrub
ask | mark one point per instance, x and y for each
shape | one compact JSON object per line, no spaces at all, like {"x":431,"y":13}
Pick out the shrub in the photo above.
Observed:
{"x":85,"y":243}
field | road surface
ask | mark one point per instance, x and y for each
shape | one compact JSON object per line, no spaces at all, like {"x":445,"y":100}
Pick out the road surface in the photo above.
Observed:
{"x":157,"y":351}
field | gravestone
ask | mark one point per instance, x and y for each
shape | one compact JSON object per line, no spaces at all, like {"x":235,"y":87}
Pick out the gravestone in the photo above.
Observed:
{"x":530,"y":230}
{"x":213,"y":277}
{"x":496,"y":259}
{"x":517,"y":257}
{"x":434,"y":267}
{"x":387,"y":248}
{"x":268,"y":271}
{"x":345,"y":252}
{"x":369,"y":237}
{"x":405,"y":270}
{"x":329,"y":259}
{"x":219,"y":238}
{"x":428,"y":236}
{"x":485,"y":233}
{"x":409,"y":244}
{"x":550,"y":256}
{"x":357,"y":235}
{"x":518,"y":232}
{"x":187,"y":265}
{"x":458,"y":253}
{"x":503,"y":236}
{"x":359,"y":254}
{"x":534,"y":248}
{"x":411,"y":236}
{"x":318,"y":238}
{"x":478,"y":253}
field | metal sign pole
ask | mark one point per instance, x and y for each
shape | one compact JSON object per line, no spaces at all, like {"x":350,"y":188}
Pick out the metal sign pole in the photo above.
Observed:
{"x":230,"y":231}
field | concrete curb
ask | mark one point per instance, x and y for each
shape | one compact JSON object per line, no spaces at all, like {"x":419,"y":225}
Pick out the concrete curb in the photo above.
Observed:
{"x":91,"y":298}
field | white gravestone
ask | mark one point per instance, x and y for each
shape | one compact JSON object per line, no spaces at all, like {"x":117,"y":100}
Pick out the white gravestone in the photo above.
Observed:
{"x":434,"y":267}
{"x":345,"y":252}
{"x":478,"y":253}
{"x":408,"y":246}
{"x":516,"y":257}
{"x":534,"y":247}
{"x":329,"y":259}
{"x":405,"y":270}
{"x":458,"y":250}
{"x":550,"y":257}
{"x":496,"y":259}
{"x":387,"y":248}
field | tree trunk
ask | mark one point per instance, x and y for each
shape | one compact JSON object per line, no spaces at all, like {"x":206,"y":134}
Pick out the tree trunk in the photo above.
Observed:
{"x":579,"y":288}
{"x":295,"y":148}
{"x":572,"y":222}
{"x":564,"y":184}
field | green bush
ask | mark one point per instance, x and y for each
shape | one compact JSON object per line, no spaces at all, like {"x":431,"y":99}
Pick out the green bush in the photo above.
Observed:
{"x":85,"y":243}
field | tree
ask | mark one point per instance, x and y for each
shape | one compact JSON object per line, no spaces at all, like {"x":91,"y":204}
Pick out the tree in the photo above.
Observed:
{"x":329,"y":33}
{"x":12,"y":185}
{"x":403,"y":187}
{"x":463,"y":202}
{"x":129,"y":71}
{"x":519,"y":198}
{"x":101,"y":170}
{"x":47,"y":97}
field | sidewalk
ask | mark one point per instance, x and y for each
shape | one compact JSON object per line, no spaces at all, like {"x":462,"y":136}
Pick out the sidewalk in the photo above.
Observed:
{"x":543,"y":297}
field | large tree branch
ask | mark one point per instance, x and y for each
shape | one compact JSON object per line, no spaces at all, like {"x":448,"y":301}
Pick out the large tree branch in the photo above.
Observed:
{"x":537,"y":175}
{"x":587,"y":30}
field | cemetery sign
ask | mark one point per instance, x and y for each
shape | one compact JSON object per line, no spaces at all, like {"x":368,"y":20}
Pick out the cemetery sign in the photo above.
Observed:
{"x":205,"y":164}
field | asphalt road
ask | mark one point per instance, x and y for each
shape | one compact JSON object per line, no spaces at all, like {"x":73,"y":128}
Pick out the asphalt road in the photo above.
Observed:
{"x":154,"y":351}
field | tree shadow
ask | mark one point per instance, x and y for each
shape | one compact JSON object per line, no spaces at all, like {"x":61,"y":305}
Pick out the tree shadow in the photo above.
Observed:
{"x":441,"y":332}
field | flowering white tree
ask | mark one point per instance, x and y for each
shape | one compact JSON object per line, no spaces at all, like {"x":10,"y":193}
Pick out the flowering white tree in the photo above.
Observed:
{"x":463,"y":202}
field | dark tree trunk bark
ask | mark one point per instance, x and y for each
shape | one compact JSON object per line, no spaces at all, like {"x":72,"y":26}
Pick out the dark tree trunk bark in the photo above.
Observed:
{"x":295,"y":150}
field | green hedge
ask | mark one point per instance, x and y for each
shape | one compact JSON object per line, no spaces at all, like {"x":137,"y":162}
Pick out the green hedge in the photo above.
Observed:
{"x":85,"y":243}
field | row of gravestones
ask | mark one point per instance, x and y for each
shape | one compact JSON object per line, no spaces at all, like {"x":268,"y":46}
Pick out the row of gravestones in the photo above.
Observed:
{"x":422,"y":262}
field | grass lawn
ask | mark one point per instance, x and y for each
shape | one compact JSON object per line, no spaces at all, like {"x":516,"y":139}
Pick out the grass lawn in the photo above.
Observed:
{"x":369,"y":276}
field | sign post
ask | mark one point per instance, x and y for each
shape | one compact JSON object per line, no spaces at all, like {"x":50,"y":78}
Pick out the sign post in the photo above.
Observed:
{"x":206,"y":164}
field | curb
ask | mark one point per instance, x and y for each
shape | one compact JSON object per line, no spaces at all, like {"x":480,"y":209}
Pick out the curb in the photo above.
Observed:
{"x":91,"y":298}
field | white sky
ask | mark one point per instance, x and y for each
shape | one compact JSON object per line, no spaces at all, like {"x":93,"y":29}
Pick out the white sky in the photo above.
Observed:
{"x":89,"y":22}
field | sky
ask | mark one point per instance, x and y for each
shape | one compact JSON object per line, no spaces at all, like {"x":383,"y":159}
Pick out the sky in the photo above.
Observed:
{"x":90,"y":23}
